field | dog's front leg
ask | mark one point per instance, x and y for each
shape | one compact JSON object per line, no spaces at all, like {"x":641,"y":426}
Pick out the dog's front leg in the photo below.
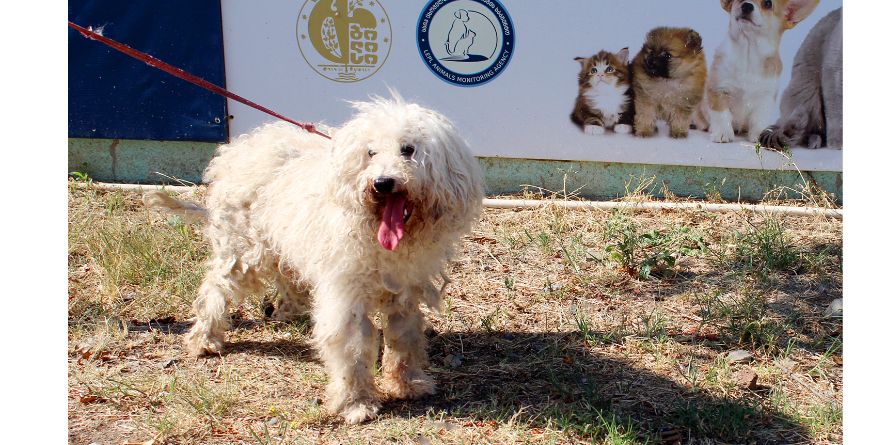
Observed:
{"x":760,"y":118}
{"x":348,"y":345}
{"x":644,"y":119}
{"x":405,"y":355}
{"x":678,"y":123}
{"x":720,"y":116}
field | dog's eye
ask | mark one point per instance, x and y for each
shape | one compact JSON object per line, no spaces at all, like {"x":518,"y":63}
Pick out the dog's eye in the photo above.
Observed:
{"x":593,"y":70}
{"x":609,"y":69}
{"x":767,"y":4}
{"x":407,"y":150}
{"x":667,"y":55}
{"x":371,"y":152}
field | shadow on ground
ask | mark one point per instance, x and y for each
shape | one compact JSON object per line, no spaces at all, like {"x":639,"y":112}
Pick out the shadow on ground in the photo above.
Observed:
{"x":551,"y":379}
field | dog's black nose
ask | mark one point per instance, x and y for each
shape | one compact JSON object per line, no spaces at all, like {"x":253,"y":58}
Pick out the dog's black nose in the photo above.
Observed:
{"x":650,"y":67}
{"x":383,"y":184}
{"x":747,"y":8}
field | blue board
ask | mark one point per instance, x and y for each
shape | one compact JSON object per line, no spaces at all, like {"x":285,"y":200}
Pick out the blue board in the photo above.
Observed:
{"x":111,"y":95}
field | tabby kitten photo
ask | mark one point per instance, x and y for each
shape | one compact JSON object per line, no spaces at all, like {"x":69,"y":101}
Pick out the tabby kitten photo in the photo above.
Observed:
{"x":605,"y":98}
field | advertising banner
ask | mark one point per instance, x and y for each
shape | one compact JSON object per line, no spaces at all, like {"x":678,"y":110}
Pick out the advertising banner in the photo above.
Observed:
{"x":682,"y":82}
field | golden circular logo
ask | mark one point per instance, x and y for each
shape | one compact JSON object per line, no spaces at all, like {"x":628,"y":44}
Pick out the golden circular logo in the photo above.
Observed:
{"x":344,"y":40}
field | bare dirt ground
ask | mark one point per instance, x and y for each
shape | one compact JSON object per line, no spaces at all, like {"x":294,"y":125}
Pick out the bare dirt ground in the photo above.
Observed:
{"x":560,"y":326}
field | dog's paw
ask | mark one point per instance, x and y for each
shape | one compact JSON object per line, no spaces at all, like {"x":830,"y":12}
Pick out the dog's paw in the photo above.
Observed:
{"x":644,"y":131}
{"x":415,"y":387}
{"x":199,"y":344}
{"x":622,"y":129}
{"x":722,"y":135}
{"x":359,"y":412}
{"x":678,"y":133}
{"x":595,"y":130}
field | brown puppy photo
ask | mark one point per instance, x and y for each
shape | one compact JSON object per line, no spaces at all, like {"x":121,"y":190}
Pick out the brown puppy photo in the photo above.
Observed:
{"x":669,"y":78}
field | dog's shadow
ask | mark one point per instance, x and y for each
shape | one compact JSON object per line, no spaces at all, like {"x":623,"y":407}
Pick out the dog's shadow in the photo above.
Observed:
{"x":551,"y":379}
{"x":280,"y":348}
{"x":545,"y":380}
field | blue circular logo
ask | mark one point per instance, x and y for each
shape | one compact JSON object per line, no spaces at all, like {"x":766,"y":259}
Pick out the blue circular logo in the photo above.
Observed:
{"x":465,"y":42}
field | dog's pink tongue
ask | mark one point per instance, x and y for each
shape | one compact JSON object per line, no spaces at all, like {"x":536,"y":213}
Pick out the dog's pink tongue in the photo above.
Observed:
{"x":391,"y":230}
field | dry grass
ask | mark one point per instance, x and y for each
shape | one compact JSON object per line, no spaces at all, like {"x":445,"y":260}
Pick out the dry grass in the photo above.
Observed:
{"x":545,"y":336}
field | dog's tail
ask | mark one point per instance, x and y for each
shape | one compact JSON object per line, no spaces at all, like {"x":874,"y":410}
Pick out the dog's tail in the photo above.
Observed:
{"x":156,"y":199}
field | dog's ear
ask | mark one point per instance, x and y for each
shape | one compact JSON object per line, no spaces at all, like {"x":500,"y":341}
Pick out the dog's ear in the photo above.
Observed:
{"x":693,"y":41}
{"x":348,"y":159}
{"x":623,"y":55}
{"x":454,"y":180}
{"x":727,"y":5}
{"x":796,"y":11}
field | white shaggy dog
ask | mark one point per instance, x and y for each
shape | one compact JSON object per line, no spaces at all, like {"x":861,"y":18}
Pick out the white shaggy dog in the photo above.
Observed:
{"x":364,"y":223}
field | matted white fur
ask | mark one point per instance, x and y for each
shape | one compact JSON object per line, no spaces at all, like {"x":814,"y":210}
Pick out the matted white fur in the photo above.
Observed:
{"x":295,"y":209}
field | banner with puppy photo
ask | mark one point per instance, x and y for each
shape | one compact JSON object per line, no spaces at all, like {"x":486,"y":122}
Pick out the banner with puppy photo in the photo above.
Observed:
{"x":684,"y":82}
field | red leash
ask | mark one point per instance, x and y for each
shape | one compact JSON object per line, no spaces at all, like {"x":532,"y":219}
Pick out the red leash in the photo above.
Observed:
{"x":182,"y":74}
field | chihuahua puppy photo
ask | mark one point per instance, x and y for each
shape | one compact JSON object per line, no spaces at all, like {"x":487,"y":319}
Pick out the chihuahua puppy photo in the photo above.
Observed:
{"x":669,"y":78}
{"x":741,"y":92}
